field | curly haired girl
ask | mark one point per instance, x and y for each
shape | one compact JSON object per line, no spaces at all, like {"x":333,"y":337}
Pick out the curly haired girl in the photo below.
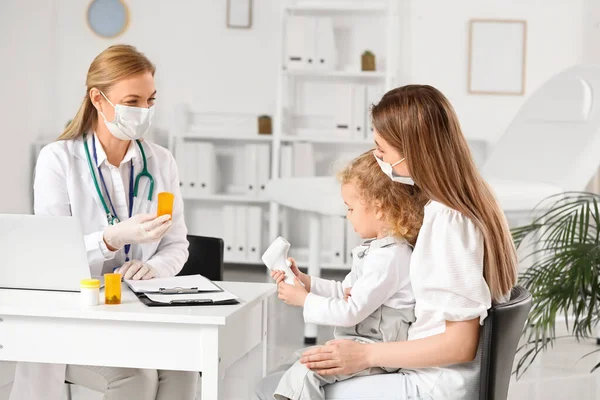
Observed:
{"x":375,"y":302}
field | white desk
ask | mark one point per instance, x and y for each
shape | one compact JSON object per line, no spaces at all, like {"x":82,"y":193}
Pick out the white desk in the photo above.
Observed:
{"x":49,"y":327}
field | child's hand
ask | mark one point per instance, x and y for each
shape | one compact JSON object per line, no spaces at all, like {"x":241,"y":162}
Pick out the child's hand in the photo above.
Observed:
{"x":347,"y":293}
{"x":279,"y":276}
{"x":305,"y":279}
{"x":294,"y":295}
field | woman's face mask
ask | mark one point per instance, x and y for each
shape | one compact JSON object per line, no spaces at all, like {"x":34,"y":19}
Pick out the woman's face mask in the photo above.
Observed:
{"x":130,"y":123}
{"x":388,"y":169}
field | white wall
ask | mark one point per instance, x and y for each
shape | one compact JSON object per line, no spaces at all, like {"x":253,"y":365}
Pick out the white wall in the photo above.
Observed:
{"x":591,"y":55}
{"x":435,"y":52}
{"x":198,"y":60}
{"x":46,"y":48}
{"x":591,"y":28}
{"x":26,"y":101}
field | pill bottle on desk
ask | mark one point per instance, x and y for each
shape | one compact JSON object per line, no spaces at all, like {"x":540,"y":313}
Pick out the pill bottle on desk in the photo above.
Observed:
{"x":90,"y":292}
{"x":112,"y":288}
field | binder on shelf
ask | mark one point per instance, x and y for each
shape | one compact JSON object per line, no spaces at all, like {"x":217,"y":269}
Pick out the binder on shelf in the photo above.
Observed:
{"x":335,"y":228}
{"x":284,"y":222}
{"x":310,"y":42}
{"x":326,"y":53}
{"x":229,"y":233}
{"x":207,"y":168}
{"x":299,"y":41}
{"x":374,"y":95}
{"x":287,"y":161}
{"x":301,"y":254}
{"x":344,"y":108}
{"x":263,"y":167}
{"x":192,"y":183}
{"x":236,"y":190}
{"x":251,"y":169}
{"x":254,"y":229}
{"x":359,"y":111}
{"x":303,"y":160}
{"x":241,"y":240}
{"x":180,"y":159}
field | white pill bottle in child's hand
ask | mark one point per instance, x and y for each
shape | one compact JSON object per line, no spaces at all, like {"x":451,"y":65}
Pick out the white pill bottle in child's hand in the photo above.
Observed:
{"x":276,"y":259}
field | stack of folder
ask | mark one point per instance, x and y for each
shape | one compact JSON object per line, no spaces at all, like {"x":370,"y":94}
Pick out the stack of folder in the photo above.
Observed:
{"x":243,"y":233}
{"x":197,"y":167}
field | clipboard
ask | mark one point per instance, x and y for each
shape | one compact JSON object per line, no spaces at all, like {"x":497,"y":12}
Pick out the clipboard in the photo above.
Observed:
{"x":184,"y":298}
{"x":190,"y":284}
{"x":187,"y":303}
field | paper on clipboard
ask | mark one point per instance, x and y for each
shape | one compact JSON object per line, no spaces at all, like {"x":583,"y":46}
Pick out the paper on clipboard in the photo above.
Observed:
{"x":213,"y":297}
{"x":195,"y":283}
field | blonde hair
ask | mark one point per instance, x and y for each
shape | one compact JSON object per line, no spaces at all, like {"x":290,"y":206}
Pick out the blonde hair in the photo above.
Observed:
{"x":421,"y":124}
{"x":109,"y":67}
{"x":402,"y":205}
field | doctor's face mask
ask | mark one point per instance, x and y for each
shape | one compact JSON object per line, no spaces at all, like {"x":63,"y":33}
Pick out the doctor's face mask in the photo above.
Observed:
{"x":130,"y":123}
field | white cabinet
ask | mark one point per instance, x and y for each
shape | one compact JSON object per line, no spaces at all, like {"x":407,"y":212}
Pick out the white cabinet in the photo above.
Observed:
{"x":322,"y":119}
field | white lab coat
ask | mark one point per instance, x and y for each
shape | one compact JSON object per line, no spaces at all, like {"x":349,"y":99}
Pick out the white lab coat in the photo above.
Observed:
{"x":64,"y":186}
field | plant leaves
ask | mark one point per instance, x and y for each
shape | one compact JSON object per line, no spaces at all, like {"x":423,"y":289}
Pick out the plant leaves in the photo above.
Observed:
{"x":564,"y":246}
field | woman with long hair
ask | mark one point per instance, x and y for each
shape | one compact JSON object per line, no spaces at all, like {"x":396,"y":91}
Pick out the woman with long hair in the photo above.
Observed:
{"x":464,"y":259}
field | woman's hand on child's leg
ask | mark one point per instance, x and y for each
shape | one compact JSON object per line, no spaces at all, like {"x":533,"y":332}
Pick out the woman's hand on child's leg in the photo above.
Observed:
{"x":338,"y":357}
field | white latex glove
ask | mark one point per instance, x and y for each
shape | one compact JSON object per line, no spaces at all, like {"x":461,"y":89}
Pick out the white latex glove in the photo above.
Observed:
{"x":141,"y":228}
{"x":136,"y":270}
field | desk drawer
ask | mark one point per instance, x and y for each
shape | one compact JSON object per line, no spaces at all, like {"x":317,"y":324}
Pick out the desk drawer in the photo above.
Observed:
{"x":102,"y":342}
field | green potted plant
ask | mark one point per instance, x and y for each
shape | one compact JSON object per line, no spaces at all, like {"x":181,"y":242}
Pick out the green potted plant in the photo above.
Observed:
{"x":563,"y":277}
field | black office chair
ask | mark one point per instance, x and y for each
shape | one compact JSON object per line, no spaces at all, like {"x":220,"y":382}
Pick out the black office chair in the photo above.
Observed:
{"x":501,"y":332}
{"x":206,"y":257}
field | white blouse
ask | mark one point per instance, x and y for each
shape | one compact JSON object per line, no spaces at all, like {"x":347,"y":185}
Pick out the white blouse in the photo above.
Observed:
{"x":446,"y":273}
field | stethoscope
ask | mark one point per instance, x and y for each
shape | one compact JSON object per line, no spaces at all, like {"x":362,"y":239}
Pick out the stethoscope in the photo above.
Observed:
{"x":111,"y":213}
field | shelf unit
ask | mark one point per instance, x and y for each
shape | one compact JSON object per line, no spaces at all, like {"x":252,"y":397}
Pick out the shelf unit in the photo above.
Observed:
{"x":206,"y":210}
{"x":326,"y":140}
{"x":228,"y":136}
{"x":289,"y":79}
{"x":335,"y":74}
{"x":227,"y":198}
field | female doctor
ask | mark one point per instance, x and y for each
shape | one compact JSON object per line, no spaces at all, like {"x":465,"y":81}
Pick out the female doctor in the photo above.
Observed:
{"x":101,"y":171}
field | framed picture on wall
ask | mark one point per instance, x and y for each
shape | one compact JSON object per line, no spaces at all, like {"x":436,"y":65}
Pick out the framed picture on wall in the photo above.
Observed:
{"x":239,"y":14}
{"x":497,"y":52}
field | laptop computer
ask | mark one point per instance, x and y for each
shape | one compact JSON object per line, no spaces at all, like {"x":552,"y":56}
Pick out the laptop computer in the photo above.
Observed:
{"x":42,"y":253}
